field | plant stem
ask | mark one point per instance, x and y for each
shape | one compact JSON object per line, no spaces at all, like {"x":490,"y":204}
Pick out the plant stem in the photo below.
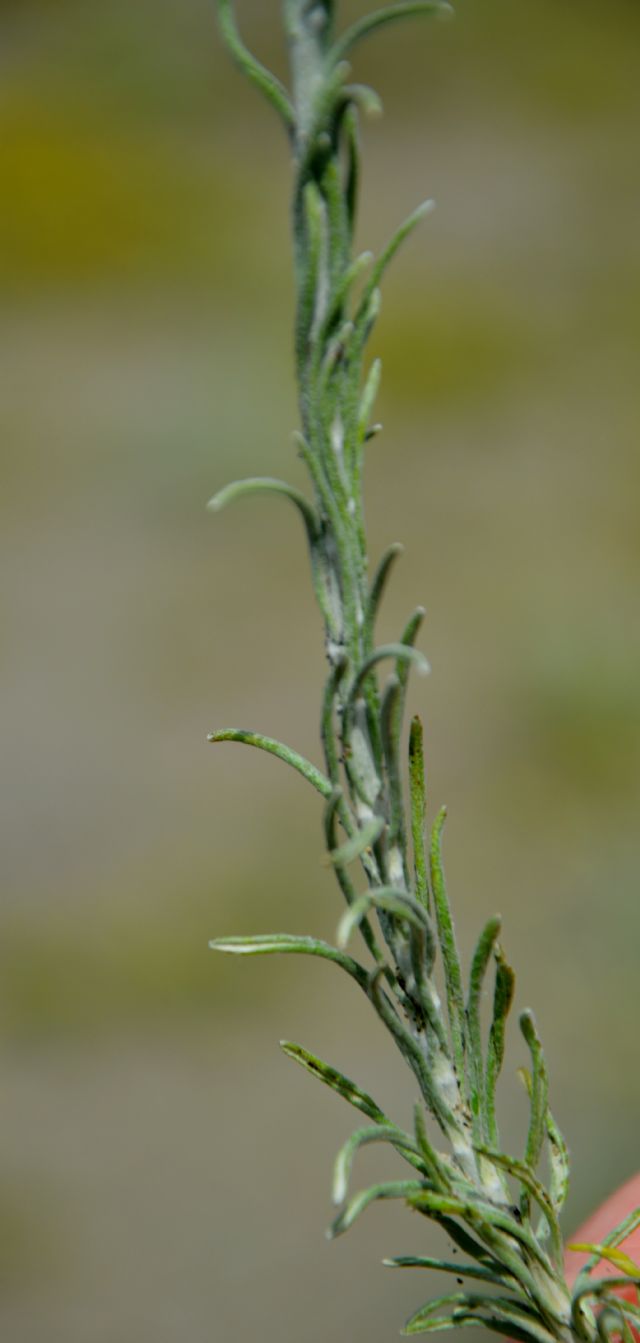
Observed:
{"x":397,"y":898}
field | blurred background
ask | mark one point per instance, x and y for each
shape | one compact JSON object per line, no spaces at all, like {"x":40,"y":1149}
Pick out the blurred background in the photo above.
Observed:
{"x":164,"y":1171}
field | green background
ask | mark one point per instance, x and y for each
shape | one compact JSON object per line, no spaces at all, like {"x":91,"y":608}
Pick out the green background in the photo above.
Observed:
{"x":164,"y":1171}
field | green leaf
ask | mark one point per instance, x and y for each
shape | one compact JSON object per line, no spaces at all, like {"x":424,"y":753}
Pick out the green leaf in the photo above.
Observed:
{"x":336,"y":807}
{"x":365,"y":98}
{"x":559,"y":1164}
{"x":433,"y":1163}
{"x":277,"y":748}
{"x":336,"y":1081}
{"x":350,"y":277}
{"x":270,"y":944}
{"x":502,"y":999}
{"x":327,"y":724}
{"x":367,"y":25}
{"x":444,"y":1266}
{"x":374,"y":1133}
{"x":264,"y":80}
{"x":267,"y":485}
{"x":357,"y":1205}
{"x":368,"y":398}
{"x":391,"y":724}
{"x":378,"y":586}
{"x":401,"y":653}
{"x":350,"y":125}
{"x":448,"y":945}
{"x":388,"y":898}
{"x":361,"y":759}
{"x":481,"y":958}
{"x":418,"y":810}
{"x":539,"y":1091}
{"x":391,"y":721}
{"x":313,"y":287}
{"x":386,"y":257}
{"x":357,"y":844}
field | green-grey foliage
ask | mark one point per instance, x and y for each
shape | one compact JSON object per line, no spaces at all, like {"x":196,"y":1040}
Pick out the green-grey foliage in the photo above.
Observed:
{"x":495,"y":1207}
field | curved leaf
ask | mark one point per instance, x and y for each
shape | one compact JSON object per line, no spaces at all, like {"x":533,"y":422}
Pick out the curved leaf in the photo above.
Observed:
{"x":357,"y":1205}
{"x":374,"y":1133}
{"x":298,"y":762}
{"x":264,"y":80}
{"x":371,"y":22}
{"x":388,"y":898}
{"x":357,"y":844}
{"x":270,"y":944}
{"x":268,"y":485}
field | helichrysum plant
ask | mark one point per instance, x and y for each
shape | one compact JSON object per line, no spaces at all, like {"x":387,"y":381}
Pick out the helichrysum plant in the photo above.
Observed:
{"x":495,"y":1207}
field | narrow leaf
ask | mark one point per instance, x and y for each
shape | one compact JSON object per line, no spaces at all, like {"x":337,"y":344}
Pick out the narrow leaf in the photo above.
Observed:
{"x":264,"y":80}
{"x":368,"y":399}
{"x":350,"y":277}
{"x":336,"y":807}
{"x":391,"y":721}
{"x":418,"y":810}
{"x":559,"y":1164}
{"x":327,"y":723}
{"x":367,"y":25}
{"x":357,"y":1205}
{"x":368,"y":100}
{"x":350,"y":122}
{"x":539,"y":1091}
{"x":379,"y":584}
{"x":401,"y":652}
{"x":386,"y":257}
{"x":267,"y":485}
{"x":502,"y":1000}
{"x":362,"y":1137}
{"x":616,"y":1257}
{"x":269,"y":944}
{"x":388,"y":898}
{"x":444,"y":1266}
{"x":448,"y":945}
{"x":481,"y":957}
{"x":434,"y":1165}
{"x":357,"y":844}
{"x":313,"y":295}
{"x":298,"y":762}
{"x":336,"y":1081}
